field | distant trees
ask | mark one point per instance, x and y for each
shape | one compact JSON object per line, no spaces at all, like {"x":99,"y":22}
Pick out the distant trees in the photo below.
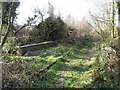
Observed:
{"x":50,"y":10}
{"x":77,"y":28}
{"x":52,"y":28}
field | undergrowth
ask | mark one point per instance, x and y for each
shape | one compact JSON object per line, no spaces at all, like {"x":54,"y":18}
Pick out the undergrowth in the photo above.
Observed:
{"x":74,"y":70}
{"x":106,"y":69}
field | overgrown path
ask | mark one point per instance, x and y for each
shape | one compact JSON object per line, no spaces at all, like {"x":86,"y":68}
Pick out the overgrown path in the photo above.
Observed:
{"x":74,"y":71}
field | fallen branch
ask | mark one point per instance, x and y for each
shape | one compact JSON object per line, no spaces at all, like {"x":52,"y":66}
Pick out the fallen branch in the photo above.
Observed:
{"x":48,"y":67}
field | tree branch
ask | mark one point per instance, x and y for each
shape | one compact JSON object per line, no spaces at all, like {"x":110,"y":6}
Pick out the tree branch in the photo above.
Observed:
{"x":49,"y":66}
{"x":20,"y":29}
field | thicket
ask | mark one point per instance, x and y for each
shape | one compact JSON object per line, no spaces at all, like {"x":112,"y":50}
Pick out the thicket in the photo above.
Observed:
{"x":106,"y":61}
{"x":105,"y":69}
{"x":52,"y":29}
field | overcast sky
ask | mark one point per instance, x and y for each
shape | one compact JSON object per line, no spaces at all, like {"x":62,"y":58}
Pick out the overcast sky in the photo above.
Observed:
{"x":76,"y":8}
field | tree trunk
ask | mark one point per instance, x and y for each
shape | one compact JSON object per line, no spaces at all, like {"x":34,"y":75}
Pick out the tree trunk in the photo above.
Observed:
{"x":8,"y":28}
{"x":118,"y":4}
{"x":20,"y":29}
{"x":113,"y":15}
{"x":2,"y":15}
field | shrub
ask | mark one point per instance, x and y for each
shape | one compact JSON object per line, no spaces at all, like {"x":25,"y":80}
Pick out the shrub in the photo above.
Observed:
{"x":106,"y":70}
{"x":55,"y":29}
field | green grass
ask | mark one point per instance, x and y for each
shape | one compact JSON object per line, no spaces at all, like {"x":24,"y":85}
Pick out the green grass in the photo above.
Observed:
{"x":73,"y":74}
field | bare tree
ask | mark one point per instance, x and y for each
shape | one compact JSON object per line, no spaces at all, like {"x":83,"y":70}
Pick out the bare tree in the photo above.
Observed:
{"x":104,"y":21}
{"x":40,"y":15}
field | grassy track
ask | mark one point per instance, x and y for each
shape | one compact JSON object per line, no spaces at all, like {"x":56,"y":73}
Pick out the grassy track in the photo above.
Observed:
{"x":73,"y":71}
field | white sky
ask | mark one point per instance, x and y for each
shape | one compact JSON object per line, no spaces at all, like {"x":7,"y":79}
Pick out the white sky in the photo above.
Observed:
{"x":76,"y":8}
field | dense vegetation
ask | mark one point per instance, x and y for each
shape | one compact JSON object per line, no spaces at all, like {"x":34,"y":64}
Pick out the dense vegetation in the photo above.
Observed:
{"x":82,"y":57}
{"x":80,"y":68}
{"x":23,"y":71}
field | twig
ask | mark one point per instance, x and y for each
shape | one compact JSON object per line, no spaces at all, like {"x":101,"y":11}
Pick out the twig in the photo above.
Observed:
{"x":49,"y":66}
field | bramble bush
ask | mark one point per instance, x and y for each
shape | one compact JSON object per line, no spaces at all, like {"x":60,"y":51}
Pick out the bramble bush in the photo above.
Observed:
{"x":106,"y":70}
